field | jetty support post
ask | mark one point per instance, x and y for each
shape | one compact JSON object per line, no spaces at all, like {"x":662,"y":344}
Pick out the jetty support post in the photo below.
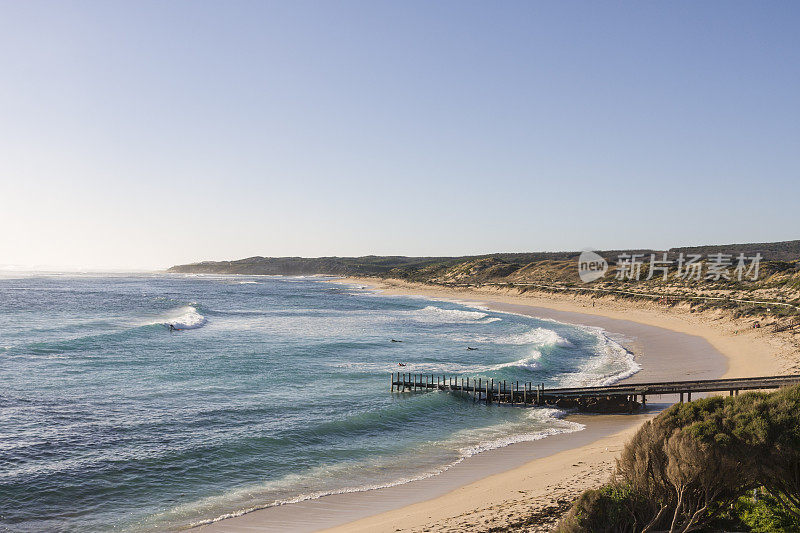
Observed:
{"x":480,"y":388}
{"x":688,"y":396}
{"x":681,"y":397}
{"x":488,"y":397}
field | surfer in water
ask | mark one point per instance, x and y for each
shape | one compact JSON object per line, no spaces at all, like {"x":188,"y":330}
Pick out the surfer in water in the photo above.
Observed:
{"x":171,"y":328}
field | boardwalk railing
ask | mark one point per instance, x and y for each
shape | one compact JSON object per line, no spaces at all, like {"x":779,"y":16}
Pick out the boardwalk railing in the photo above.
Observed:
{"x":610,"y":397}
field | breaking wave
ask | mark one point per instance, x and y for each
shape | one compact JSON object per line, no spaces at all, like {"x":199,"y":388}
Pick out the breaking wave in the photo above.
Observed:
{"x":535,"y":336}
{"x":438,"y":315}
{"x":186,"y":318}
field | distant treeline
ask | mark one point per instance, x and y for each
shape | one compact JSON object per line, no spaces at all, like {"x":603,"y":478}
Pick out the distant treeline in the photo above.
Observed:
{"x":425,"y":268}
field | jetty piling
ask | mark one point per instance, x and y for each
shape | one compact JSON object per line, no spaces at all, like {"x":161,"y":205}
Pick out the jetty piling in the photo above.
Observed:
{"x":624,"y":397}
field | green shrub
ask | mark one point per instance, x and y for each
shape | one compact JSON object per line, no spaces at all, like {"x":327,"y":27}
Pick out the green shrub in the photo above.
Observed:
{"x":610,"y":509}
{"x":693,"y":465}
{"x":764,"y":515}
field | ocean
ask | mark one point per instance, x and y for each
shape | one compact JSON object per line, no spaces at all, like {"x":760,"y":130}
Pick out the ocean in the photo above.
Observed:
{"x":270,"y":390}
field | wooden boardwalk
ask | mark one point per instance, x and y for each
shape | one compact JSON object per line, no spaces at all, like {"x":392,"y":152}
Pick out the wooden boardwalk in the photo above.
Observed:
{"x":624,"y":397}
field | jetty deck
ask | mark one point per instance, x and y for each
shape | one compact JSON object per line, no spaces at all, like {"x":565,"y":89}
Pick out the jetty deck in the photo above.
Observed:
{"x":623,"y":397}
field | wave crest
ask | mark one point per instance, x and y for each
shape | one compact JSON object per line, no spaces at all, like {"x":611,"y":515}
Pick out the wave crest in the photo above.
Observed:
{"x":528,"y":363}
{"x":439,"y":315}
{"x":186,"y":318}
{"x":536,"y":336}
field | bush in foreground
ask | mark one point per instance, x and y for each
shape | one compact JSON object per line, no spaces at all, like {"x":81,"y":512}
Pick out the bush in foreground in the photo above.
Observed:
{"x":613,"y":508}
{"x":694,"y":464}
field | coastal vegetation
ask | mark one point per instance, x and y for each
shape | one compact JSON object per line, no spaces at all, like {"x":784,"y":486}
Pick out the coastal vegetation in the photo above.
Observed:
{"x":715,"y":464}
{"x":510,"y":267}
{"x":773,"y":297}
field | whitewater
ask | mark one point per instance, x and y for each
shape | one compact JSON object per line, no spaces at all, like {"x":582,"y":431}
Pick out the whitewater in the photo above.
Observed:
{"x":111,"y":420}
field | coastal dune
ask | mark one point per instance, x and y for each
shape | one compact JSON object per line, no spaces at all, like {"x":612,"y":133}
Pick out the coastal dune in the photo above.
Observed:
{"x":526,"y":486}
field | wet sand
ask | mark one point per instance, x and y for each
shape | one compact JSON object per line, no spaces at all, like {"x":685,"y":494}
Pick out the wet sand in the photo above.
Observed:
{"x":495,"y":487}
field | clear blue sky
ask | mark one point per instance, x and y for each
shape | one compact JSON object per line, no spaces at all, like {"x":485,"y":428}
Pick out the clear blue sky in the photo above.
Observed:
{"x":143,"y":134}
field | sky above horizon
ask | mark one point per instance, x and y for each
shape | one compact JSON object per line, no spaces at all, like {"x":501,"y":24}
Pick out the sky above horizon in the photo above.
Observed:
{"x":138,"y":135}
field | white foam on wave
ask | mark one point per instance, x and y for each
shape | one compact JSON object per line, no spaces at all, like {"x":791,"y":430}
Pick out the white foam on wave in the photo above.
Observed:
{"x":185,"y":318}
{"x":445,"y":367}
{"x":535,"y":336}
{"x":550,"y":417}
{"x":528,"y":363}
{"x":439,"y":315}
{"x":614,"y":358}
{"x":612,"y":364}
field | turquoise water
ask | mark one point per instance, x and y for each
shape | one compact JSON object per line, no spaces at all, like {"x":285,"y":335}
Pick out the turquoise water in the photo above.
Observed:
{"x":274,"y":389}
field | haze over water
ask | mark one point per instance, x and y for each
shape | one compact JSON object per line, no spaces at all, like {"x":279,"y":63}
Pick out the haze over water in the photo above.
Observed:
{"x":274,"y":389}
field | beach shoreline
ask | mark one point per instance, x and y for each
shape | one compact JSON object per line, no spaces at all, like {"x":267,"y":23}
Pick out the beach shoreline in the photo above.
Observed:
{"x":530,"y":484}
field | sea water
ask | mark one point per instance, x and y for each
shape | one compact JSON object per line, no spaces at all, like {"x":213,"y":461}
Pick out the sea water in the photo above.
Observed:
{"x":270,"y":390}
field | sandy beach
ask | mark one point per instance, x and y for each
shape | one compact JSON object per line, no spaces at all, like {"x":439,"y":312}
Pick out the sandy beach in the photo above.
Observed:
{"x":526,"y":486}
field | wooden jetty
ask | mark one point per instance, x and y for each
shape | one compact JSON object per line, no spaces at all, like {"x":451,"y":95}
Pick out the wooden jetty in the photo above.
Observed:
{"x":611,"y":398}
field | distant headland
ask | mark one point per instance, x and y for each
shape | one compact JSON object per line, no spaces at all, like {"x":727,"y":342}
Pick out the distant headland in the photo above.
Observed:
{"x":498,"y":267}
